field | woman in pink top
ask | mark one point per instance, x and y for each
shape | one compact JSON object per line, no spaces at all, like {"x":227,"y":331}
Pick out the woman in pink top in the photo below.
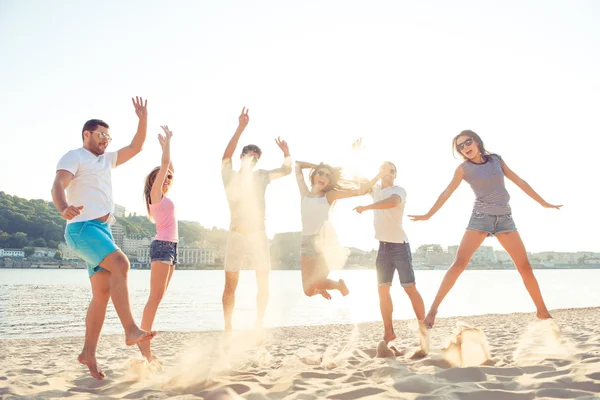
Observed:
{"x":163,"y":249}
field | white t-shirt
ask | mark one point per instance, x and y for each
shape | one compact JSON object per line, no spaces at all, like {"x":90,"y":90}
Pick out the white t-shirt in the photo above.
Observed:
{"x":91,"y":186}
{"x":388,"y":222}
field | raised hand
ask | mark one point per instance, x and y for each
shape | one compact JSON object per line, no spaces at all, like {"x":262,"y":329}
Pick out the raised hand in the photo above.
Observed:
{"x":357,"y":145}
{"x":140,"y":107}
{"x":167,"y":136}
{"x":418,"y":217}
{"x":283,"y":146}
{"x":548,"y":205}
{"x":71,"y":212}
{"x":244,"y":118}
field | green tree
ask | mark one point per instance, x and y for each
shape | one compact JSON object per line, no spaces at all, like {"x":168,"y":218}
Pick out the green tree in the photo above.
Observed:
{"x":53,"y":244}
{"x":39,"y":242}
{"x":28,"y":251}
{"x":18,"y":240}
{"x":58,"y":255}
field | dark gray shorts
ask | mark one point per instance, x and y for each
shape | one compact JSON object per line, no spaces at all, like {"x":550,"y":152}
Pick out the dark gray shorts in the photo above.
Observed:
{"x":163,"y":251}
{"x":393,"y":257}
{"x":492,"y":224}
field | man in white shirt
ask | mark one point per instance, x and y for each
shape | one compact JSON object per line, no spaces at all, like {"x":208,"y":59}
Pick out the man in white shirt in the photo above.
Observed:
{"x":247,"y":243}
{"x":394,"y":251}
{"x":85,"y":175}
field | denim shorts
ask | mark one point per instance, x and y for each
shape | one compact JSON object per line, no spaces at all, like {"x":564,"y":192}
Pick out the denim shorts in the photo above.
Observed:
{"x":492,"y":224}
{"x":163,"y":251}
{"x":92,"y":241}
{"x":392,"y":257}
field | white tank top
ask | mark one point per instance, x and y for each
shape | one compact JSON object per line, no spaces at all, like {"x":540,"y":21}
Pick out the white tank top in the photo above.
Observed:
{"x":315,"y":211}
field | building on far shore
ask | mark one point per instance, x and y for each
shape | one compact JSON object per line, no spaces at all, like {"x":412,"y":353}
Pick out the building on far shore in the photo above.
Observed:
{"x":118,"y":234}
{"x":17,"y":253}
{"x":119,"y":211}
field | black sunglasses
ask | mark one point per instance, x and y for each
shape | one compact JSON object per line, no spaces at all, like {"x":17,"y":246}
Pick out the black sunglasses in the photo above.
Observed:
{"x":170,"y":177}
{"x":464,"y":144}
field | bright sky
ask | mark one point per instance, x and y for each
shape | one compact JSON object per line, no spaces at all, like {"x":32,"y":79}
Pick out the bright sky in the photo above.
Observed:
{"x":406,"y":76}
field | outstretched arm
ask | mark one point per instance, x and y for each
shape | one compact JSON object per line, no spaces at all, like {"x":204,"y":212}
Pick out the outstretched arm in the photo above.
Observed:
{"x":300,"y":165}
{"x":128,"y":152}
{"x":391,"y":202}
{"x":244,"y":118}
{"x":459,"y":174}
{"x":524,"y":186}
{"x":334,"y":195}
{"x":156,"y":192}
{"x":286,"y":167}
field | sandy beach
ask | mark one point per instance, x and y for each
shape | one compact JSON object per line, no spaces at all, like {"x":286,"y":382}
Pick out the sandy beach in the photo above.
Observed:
{"x":527,"y":360}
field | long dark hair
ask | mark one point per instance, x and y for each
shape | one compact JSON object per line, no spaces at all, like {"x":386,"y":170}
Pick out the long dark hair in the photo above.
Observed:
{"x":473,"y":136}
{"x":336,"y":182}
{"x":148,"y":188}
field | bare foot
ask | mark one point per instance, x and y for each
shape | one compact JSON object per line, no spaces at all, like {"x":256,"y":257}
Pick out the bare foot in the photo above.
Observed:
{"x":137,"y":335}
{"x":430,"y":318}
{"x":92,"y":365}
{"x":543,"y":315}
{"x":423,"y":337}
{"x":397,"y":352}
{"x":343,"y":289}
{"x":389,"y":336}
{"x":325,"y":294}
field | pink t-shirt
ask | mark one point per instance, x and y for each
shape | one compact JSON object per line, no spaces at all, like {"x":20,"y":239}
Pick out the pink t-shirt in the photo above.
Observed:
{"x":163,"y":214}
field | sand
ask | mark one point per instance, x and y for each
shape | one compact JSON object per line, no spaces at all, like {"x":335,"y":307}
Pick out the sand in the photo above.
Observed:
{"x":486,"y":357}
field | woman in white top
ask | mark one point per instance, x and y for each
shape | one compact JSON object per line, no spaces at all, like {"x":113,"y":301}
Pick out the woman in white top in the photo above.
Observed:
{"x":326,"y":186}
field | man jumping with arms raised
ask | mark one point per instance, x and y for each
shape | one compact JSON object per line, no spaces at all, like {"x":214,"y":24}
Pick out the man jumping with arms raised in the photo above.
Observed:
{"x":247,"y":240}
{"x":85,"y":175}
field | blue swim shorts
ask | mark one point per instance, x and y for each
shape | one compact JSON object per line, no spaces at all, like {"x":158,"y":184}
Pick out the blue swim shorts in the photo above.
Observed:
{"x":92,"y":241}
{"x":492,"y":224}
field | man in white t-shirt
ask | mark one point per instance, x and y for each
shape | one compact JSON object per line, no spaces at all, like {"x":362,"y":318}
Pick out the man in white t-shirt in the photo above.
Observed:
{"x":247,"y":243}
{"x":85,"y":175}
{"x":394,"y":251}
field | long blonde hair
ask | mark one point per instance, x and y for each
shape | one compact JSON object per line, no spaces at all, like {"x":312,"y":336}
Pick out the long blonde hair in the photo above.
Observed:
{"x":148,"y":188}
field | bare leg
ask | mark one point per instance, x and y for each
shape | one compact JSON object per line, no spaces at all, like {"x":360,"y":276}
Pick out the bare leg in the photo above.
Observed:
{"x":262,"y":296}
{"x":387,"y":309}
{"x":419,"y":308}
{"x":118,"y":265}
{"x":315,"y":281}
{"x":417,"y":301}
{"x":469,"y":244}
{"x":231,"y":282}
{"x":94,"y":320}
{"x":512,"y":243}
{"x":160,"y":275}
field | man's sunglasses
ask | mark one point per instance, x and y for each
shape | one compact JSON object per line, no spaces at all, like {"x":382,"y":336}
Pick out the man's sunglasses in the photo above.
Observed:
{"x":466,"y":143}
{"x":104,"y":136}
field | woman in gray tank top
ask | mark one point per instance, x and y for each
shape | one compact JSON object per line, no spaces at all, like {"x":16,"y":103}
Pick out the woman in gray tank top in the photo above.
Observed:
{"x":485,"y":173}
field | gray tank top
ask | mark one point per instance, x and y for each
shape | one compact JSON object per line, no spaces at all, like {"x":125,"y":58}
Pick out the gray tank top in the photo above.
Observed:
{"x":487,"y":182}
